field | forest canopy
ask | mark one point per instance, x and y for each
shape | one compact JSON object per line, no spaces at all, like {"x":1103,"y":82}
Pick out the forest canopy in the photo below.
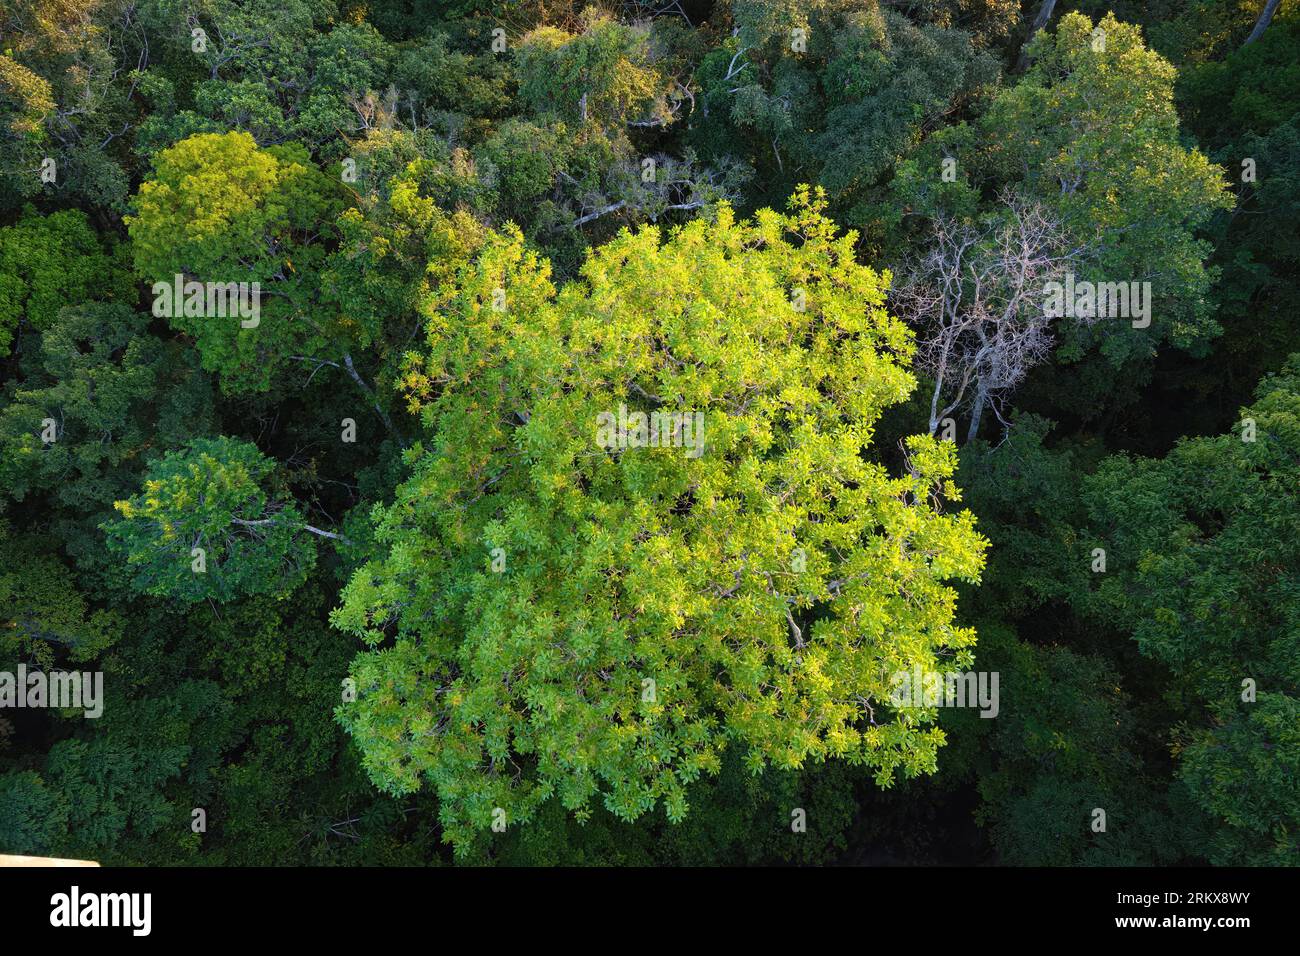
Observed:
{"x":662,"y":432}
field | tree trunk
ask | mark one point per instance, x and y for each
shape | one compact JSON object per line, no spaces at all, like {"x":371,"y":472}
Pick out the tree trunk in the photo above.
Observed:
{"x":1044,"y":14}
{"x":976,"y":413}
{"x":383,"y":416}
{"x":934,"y":406}
{"x":1265,"y":18}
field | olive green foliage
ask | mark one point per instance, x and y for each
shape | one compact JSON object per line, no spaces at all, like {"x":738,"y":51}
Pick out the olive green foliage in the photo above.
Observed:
{"x":46,"y":619}
{"x":844,"y":110}
{"x":278,"y":71}
{"x":65,"y":101}
{"x":48,"y":262}
{"x":81,"y":415}
{"x":219,"y":209}
{"x":203,"y":526}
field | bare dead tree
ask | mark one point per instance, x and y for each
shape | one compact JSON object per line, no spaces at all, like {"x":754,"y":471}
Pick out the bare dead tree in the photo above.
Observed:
{"x":977,"y":299}
{"x":669,"y":185}
{"x":643,"y":11}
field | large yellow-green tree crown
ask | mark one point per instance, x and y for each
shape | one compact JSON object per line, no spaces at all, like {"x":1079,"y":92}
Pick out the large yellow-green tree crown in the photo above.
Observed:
{"x":563,"y":604}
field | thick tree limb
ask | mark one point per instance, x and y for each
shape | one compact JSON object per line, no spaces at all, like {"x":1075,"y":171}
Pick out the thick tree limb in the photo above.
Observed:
{"x":1265,"y":18}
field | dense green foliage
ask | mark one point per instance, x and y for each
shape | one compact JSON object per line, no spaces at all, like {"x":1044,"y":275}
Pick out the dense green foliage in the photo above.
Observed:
{"x":379,"y":565}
